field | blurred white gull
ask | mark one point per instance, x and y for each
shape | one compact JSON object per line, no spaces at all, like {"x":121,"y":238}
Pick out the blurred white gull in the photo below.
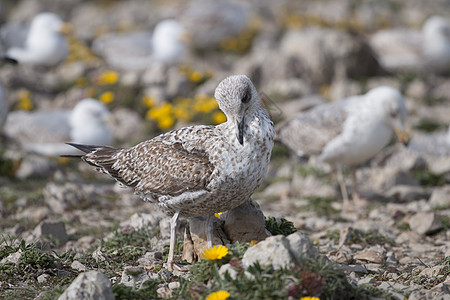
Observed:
{"x":3,"y":108}
{"x":140,"y":50}
{"x":45,"y":132}
{"x":404,"y":49}
{"x":210,"y":22}
{"x":42,"y":44}
{"x":348,"y":132}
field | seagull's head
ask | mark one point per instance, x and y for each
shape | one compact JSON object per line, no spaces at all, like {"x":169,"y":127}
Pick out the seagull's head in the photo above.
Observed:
{"x":437,"y":26}
{"x":168,"y":39}
{"x":89,"y":112}
{"x":237,"y":97}
{"x":47,"y":22}
{"x":393,"y":109}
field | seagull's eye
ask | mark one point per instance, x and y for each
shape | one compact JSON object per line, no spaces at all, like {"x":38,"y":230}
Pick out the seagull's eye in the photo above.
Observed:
{"x":394,"y":114}
{"x":246,"y":97}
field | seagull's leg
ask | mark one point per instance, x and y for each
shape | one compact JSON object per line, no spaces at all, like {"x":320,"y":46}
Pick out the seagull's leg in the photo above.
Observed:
{"x":355,"y":196}
{"x":173,"y":226}
{"x":341,"y":181}
{"x":209,"y":229}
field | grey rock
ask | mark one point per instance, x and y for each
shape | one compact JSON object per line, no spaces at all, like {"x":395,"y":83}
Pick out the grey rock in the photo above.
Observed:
{"x":125,"y":123}
{"x":366,"y":280}
{"x":34,"y":166}
{"x":134,"y":276}
{"x":425,"y":223}
{"x":440,"y":197}
{"x":141,"y":220}
{"x":53,"y":229}
{"x":245,"y":223}
{"x":280,"y":251}
{"x":43,"y":278}
{"x":76,"y":265}
{"x":330,"y":53}
{"x":374,"y":254}
{"x":90,"y":285}
{"x":227,"y":268}
{"x":359,"y":269}
{"x":406,"y":193}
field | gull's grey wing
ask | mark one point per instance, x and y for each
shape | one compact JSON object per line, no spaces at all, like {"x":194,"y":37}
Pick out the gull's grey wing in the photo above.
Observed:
{"x":310,"y":131}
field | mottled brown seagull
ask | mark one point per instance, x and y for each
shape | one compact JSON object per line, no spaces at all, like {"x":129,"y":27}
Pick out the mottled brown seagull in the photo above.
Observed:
{"x":198,"y":170}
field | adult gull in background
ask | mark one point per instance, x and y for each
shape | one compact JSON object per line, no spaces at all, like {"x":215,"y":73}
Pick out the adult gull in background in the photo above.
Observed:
{"x":45,"y":132}
{"x":42,"y":44}
{"x":402,"y":49}
{"x":140,"y":50}
{"x":348,"y":132}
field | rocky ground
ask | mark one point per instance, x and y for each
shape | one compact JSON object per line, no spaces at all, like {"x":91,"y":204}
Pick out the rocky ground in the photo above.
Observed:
{"x":64,"y":224}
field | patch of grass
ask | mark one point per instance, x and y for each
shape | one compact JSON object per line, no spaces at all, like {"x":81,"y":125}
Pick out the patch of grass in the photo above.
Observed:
{"x":146,"y":291}
{"x":308,"y":277}
{"x":368,"y":238}
{"x":32,"y":262}
{"x":429,"y":179}
{"x":179,"y":245}
{"x":333,"y":235}
{"x":307,"y":170}
{"x":428,"y":126}
{"x":128,"y":244}
{"x":321,"y":205}
{"x":279,"y":226}
{"x":403,"y":226}
{"x":445,"y":220}
{"x":280,"y":153}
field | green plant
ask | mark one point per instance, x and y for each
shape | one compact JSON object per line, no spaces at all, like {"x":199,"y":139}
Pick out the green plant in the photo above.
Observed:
{"x":279,"y":226}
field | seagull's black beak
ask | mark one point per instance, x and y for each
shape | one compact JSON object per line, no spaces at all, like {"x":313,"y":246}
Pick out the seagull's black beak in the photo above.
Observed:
{"x":240,"y":126}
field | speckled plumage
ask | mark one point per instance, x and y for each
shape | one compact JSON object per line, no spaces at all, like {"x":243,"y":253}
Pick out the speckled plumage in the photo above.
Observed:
{"x":199,"y":170}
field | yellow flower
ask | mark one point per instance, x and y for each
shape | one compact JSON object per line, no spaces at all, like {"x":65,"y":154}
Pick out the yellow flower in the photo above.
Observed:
{"x":24,"y":97}
{"x":253,"y":242}
{"x":309,"y":298}
{"x":166,"y":123}
{"x":108,"y":77}
{"x":160,"y":112}
{"x":107,"y":97}
{"x":218,"y":215}
{"x":182,"y":114}
{"x":219,"y":117}
{"x":205,"y":104}
{"x":195,"y":76}
{"x":148,"y":101}
{"x":219,"y":295}
{"x":215,"y":252}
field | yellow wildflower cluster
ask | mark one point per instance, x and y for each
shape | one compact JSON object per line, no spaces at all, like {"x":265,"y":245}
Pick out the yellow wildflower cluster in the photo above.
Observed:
{"x":108,"y":77}
{"x":24,"y":100}
{"x":243,"y":41}
{"x":195,"y":76}
{"x":309,"y":298}
{"x":106,"y":97}
{"x":162,"y":114}
{"x":78,"y":50}
{"x":218,"y":215}
{"x":304,"y":20}
{"x":219,"y":295}
{"x":215,"y":252}
{"x":202,"y":107}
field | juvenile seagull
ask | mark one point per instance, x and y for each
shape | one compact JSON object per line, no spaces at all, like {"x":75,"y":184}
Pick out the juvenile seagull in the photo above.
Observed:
{"x":347,"y":132}
{"x":45,"y":43}
{"x":198,"y":170}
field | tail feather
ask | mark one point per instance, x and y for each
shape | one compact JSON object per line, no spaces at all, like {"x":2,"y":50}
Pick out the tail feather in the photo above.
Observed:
{"x":84,"y":148}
